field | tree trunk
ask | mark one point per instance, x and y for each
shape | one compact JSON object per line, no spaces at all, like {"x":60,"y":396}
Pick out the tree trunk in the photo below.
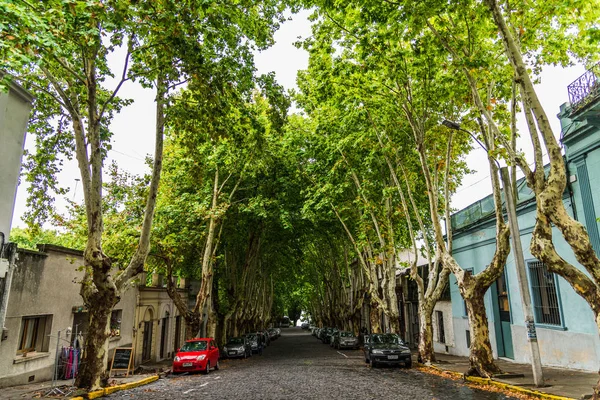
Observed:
{"x":375,"y":317}
{"x":481,"y":357}
{"x":95,"y":356}
{"x":426,"y":351}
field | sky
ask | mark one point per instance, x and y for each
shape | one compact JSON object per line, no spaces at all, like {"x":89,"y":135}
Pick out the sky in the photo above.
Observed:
{"x":134,"y":127}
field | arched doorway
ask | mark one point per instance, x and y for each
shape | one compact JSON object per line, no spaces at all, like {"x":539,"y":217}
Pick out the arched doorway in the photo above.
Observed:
{"x":147,"y":335}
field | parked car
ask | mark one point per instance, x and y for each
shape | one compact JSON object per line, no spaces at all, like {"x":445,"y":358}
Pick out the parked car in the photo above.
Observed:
{"x":386,"y":348}
{"x":322,"y":334}
{"x":267,"y":337}
{"x":273,"y":334}
{"x":200,"y":354}
{"x":256,"y":342}
{"x":237,"y":347}
{"x":304,"y":325}
{"x":346,"y":340}
{"x":332,"y":338}
{"x":327,"y":337}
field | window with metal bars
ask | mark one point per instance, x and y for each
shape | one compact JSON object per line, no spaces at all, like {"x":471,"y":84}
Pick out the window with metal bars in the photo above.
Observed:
{"x":546,"y":304}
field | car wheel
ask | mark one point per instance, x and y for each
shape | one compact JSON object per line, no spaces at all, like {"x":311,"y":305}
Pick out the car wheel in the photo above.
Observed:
{"x":408,"y":364}
{"x":207,"y":369}
{"x":373,"y":364}
{"x":217,"y":366}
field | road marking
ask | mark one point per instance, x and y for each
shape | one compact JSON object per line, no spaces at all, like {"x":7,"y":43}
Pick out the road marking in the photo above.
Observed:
{"x":191,"y":390}
{"x":342,"y":354}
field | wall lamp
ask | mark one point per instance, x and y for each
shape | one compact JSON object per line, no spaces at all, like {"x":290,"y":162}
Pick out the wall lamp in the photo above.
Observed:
{"x":456,"y":127}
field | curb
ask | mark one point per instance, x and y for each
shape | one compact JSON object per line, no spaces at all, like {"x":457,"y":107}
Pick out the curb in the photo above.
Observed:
{"x":491,"y":382}
{"x":112,"y":389}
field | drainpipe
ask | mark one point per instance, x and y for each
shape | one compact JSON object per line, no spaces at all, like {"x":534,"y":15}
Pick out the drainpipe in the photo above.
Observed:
{"x":570,"y":187}
{"x":11,"y":249}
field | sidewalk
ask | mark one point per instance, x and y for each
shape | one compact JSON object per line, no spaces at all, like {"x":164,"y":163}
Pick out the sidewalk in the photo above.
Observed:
{"x":39,"y":390}
{"x":559,"y":382}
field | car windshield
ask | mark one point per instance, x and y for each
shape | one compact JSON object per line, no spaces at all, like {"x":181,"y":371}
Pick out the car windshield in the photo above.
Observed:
{"x":194,"y":346}
{"x":236,"y":340}
{"x":387,"y":339}
{"x":346,"y":334}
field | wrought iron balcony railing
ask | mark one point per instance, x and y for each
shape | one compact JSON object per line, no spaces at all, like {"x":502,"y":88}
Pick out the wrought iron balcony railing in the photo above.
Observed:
{"x":585,"y":89}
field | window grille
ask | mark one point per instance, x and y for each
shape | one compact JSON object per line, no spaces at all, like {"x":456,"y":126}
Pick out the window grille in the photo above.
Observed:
{"x":545,"y":296}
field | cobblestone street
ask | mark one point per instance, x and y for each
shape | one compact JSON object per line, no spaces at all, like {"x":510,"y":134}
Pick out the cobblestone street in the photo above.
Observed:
{"x":297,"y":365}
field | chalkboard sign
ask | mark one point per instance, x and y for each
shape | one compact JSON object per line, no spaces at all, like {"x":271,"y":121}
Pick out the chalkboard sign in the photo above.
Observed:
{"x":122,"y":359}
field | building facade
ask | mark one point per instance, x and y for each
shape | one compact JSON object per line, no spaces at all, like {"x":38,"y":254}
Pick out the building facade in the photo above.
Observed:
{"x":46,"y":313}
{"x":566,"y":330}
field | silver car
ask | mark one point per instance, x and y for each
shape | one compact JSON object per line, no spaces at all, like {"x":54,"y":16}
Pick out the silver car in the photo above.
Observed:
{"x":346,"y":340}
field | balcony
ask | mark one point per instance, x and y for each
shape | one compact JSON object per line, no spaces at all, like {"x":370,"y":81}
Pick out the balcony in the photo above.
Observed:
{"x":585,"y":90}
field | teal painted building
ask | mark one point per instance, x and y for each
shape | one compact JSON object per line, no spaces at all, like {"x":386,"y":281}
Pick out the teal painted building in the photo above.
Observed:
{"x":567,"y":333}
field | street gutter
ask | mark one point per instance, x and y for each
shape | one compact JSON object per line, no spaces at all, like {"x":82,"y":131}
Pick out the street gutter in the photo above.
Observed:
{"x":117,"y":388}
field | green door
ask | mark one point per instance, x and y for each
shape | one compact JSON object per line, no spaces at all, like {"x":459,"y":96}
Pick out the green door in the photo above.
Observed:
{"x":502,"y":316}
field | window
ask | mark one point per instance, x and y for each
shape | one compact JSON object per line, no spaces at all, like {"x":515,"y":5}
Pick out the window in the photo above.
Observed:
{"x":115,"y":323}
{"x":546,"y":305}
{"x":440,"y":325}
{"x":35,"y":333}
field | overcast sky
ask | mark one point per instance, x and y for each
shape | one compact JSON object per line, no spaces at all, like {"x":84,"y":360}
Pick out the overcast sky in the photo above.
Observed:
{"x":134,"y":126}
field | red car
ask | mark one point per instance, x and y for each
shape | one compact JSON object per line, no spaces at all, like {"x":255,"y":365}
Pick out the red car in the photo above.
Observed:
{"x":199,"y":354}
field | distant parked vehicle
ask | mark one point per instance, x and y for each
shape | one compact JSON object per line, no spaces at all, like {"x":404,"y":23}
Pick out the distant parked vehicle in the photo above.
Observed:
{"x":324,"y":335}
{"x":346,"y":340}
{"x":256,"y":342}
{"x":304,"y":325}
{"x":200,"y":354}
{"x":332,"y":338}
{"x":237,"y":347}
{"x":386,"y":348}
{"x":329,"y":335}
{"x":273,"y":334}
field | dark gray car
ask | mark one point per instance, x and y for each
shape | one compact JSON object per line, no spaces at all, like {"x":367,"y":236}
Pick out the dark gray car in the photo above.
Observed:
{"x":237,"y":347}
{"x":256,"y":342}
{"x":386,"y":348}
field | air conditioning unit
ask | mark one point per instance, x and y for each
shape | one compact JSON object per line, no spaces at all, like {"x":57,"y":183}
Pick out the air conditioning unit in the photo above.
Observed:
{"x":3,"y":267}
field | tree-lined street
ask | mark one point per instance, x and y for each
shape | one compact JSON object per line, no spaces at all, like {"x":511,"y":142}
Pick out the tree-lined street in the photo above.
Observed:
{"x":330,"y":202}
{"x":298,"y":366}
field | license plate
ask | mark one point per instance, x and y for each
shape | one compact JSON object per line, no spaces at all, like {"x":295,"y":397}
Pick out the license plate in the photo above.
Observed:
{"x":392,"y":357}
{"x":232,"y":353}
{"x":187,"y":364}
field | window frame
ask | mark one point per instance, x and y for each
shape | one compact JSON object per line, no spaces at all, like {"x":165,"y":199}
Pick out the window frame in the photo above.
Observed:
{"x":113,"y":331}
{"x":561,"y":325}
{"x":40,"y":339}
